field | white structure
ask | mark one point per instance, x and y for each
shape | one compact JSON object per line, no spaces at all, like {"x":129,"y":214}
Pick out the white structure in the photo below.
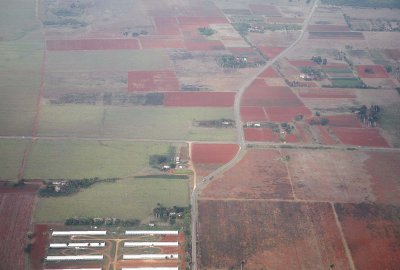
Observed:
{"x":75,"y":258}
{"x":152,"y":268}
{"x":67,"y":233}
{"x":151,"y":244}
{"x":150,"y":256}
{"x":77,"y":245}
{"x":151,"y":232}
{"x":75,"y":269}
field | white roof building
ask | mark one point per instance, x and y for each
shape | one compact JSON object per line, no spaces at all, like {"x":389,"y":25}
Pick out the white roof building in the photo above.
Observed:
{"x":67,"y":233}
{"x":75,"y":245}
{"x":75,"y":258}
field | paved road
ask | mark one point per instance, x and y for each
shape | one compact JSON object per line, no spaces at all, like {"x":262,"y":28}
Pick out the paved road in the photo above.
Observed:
{"x":241,"y":141}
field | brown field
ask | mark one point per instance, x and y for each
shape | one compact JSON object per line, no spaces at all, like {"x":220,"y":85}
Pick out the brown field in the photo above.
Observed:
{"x":336,"y":35}
{"x":16,"y":206}
{"x":372,"y":232}
{"x":153,"y":81}
{"x":269,"y":235}
{"x":261,"y":174}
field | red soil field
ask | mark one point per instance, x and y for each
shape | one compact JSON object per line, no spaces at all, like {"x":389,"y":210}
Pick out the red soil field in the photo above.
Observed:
{"x":326,"y":93}
{"x":343,"y":120}
{"x":146,"y":263}
{"x":201,"y":20}
{"x":260,"y":135}
{"x":92,"y":44}
{"x":384,"y":171}
{"x":343,"y":176}
{"x":336,"y":35}
{"x":267,"y":10}
{"x":161,"y":43}
{"x":372,"y":233}
{"x":305,"y":137}
{"x":253,"y":114}
{"x":213,"y":153}
{"x":393,"y":54}
{"x":260,"y":94}
{"x":167,"y":26}
{"x":15,"y":215}
{"x":377,"y":71}
{"x":203,"y":45}
{"x":286,"y":113}
{"x":303,"y":63}
{"x":152,"y":81}
{"x":199,"y":99}
{"x":270,"y":52}
{"x":39,"y":246}
{"x":269,"y":73}
{"x":328,"y":28}
{"x":291,"y":138}
{"x":360,"y":136}
{"x":269,"y":235}
{"x":325,"y":136}
{"x":261,"y":174}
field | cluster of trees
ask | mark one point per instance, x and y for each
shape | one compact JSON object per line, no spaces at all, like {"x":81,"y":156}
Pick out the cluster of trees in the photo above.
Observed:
{"x":101,"y":221}
{"x":369,"y":116}
{"x":288,"y":127}
{"x":207,"y":31}
{"x":313,"y":73}
{"x":319,"y":120}
{"x":58,"y":188}
{"x":219,"y":123}
{"x":158,"y":161}
{"x":319,"y":60}
{"x":230,"y":61}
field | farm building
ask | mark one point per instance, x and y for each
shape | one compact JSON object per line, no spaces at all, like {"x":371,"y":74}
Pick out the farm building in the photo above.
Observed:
{"x":152,"y":268}
{"x":77,"y":245}
{"x":75,"y":258}
{"x":151,"y":232}
{"x":66,"y":233}
{"x":150,"y":256}
{"x":150,"y":244}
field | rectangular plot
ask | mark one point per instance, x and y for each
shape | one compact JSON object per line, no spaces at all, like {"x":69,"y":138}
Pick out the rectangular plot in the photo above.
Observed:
{"x":253,"y":114}
{"x":92,"y":44}
{"x":337,"y":35}
{"x":153,"y":81}
{"x":360,"y":136}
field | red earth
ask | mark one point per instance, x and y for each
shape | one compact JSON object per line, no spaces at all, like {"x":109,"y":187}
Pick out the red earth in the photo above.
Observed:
{"x":270,"y":52}
{"x":287,"y":113}
{"x":263,"y":9}
{"x":372,"y":234}
{"x":201,"y":44}
{"x":376,"y":71}
{"x":199,"y":99}
{"x":39,"y":246}
{"x":260,"y":135}
{"x":269,"y":235}
{"x":201,"y":21}
{"x":300,"y":127}
{"x":325,"y":136}
{"x":303,"y":63}
{"x":15,"y":215}
{"x":360,"y":136}
{"x":328,"y":28}
{"x":92,"y":44}
{"x":336,"y":35}
{"x":213,"y":153}
{"x":161,"y":43}
{"x":253,"y":114}
{"x":343,"y":120}
{"x":260,"y":174}
{"x":384,"y":171}
{"x":167,"y":26}
{"x":152,"y":81}
{"x":326,"y":93}
{"x":269,"y":73}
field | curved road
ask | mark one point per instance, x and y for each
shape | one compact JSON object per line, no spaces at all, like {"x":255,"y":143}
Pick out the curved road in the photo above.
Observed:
{"x":240,"y":132}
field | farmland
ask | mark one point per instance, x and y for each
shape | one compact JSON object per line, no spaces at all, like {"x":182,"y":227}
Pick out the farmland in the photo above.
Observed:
{"x":128,"y":198}
{"x":273,"y":125}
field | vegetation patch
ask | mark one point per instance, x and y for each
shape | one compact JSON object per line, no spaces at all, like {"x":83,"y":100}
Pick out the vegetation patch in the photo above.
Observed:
{"x":348,"y":83}
{"x":220,"y":123}
{"x":207,"y":31}
{"x":390,"y":121}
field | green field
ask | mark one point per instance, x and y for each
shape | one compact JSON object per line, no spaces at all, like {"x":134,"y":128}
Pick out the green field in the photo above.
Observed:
{"x":132,"y":198}
{"x":11,"y":153}
{"x":338,"y":70}
{"x":109,"y":60}
{"x":347,"y":83}
{"x":364,"y":3}
{"x":132,"y":122}
{"x":73,"y":159}
{"x":390,"y":121}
